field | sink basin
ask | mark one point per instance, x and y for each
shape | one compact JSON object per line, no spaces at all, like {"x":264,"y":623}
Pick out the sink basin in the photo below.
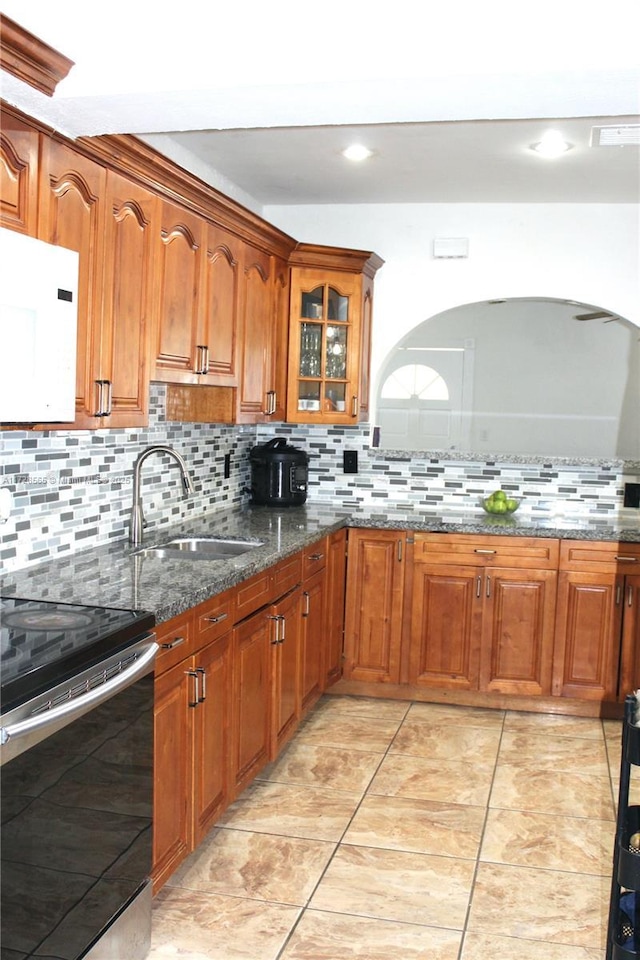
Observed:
{"x":200,"y":548}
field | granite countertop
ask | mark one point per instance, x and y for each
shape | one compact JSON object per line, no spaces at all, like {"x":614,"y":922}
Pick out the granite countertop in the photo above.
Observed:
{"x":117,"y":575}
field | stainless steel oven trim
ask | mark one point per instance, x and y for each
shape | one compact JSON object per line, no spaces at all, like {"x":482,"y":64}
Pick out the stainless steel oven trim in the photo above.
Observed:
{"x":34,"y":721}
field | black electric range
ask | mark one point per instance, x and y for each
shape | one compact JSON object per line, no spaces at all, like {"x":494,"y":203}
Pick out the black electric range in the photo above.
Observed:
{"x":43,"y":643}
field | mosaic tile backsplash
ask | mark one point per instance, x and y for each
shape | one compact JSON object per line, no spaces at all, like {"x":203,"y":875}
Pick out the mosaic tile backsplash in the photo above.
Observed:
{"x":72,"y":489}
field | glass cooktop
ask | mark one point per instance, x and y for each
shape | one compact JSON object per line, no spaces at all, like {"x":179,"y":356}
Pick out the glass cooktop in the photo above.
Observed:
{"x":43,"y":642}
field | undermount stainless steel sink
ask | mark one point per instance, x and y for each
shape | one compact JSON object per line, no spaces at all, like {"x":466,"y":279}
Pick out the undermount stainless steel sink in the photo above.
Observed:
{"x":200,"y":548}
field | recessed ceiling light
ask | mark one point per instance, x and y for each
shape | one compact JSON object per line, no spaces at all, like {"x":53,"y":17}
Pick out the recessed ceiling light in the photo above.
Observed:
{"x":357,"y":152}
{"x":552,"y":145}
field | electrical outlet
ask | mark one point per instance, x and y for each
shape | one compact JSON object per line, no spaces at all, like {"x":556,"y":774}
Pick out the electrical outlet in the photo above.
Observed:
{"x":227,"y":466}
{"x":350,"y":461}
{"x":631,"y":495}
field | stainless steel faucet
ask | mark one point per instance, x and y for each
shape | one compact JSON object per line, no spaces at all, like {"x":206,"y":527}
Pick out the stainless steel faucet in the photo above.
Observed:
{"x":137,"y":517}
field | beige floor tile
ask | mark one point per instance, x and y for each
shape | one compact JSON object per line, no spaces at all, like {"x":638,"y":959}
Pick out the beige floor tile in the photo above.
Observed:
{"x":256,"y":865}
{"x":479,"y":947}
{"x":612,"y":729}
{"x":550,"y":842}
{"x":338,"y":706}
{"x":549,"y":791}
{"x":341,"y":769}
{"x":421,"y":826}
{"x":292,"y":810}
{"x":444,"y":713}
{"x":565,"y":754}
{"x":368,"y":734}
{"x":462,"y":743}
{"x":558,"y":726}
{"x":330,"y":936}
{"x":394,"y":885}
{"x":614,"y":756}
{"x":540,"y":905}
{"x":443,"y":780}
{"x":198,"y":926}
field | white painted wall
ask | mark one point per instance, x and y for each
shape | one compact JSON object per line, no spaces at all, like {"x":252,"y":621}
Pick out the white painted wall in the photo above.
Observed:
{"x":584,"y":252}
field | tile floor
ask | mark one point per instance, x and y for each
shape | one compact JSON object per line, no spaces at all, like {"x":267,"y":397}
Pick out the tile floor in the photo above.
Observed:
{"x":404,"y":831}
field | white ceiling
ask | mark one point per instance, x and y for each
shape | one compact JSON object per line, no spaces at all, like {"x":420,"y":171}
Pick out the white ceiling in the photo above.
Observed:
{"x":448,"y":96}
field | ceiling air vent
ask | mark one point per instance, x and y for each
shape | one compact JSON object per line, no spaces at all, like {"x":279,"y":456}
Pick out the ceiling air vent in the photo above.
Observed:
{"x":622,"y":135}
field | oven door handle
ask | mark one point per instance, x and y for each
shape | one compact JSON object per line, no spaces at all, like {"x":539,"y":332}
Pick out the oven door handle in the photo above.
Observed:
{"x":81,"y":704}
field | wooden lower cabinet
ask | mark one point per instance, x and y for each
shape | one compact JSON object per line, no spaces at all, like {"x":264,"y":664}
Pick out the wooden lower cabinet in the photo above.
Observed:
{"x":630,"y":651}
{"x":192,"y":731}
{"x":597,"y":654}
{"x":286,"y":662}
{"x":251,"y":694}
{"x":472,"y":629}
{"x":446,"y":622}
{"x":374,"y":607}
{"x":335,"y":606}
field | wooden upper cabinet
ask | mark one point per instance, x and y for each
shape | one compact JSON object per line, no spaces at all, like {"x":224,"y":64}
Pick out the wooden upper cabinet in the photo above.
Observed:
{"x":122,"y":378}
{"x":179,"y":357}
{"x":18,"y":175}
{"x":220,"y":306}
{"x":72,"y":214}
{"x":257,"y":399}
{"x":330,"y":334}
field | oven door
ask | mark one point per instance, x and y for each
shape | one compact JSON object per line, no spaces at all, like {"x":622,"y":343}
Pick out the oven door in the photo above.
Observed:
{"x":76,"y":794}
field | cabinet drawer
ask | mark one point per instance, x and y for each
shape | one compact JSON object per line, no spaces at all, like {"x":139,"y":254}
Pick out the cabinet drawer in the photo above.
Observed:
{"x":253,"y":594}
{"x":314,"y":558}
{"x":599,"y":556}
{"x":532,"y":552}
{"x":286,"y":575}
{"x":214,"y":617}
{"x":176,"y":641}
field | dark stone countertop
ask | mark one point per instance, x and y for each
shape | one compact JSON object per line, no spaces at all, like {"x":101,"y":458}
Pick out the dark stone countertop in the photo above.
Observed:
{"x":116,"y":575}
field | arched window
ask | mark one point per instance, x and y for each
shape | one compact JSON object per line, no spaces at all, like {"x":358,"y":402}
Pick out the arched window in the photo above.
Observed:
{"x":414,"y":380}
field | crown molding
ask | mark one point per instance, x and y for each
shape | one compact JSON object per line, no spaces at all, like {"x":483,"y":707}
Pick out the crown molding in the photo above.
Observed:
{"x":29,"y":59}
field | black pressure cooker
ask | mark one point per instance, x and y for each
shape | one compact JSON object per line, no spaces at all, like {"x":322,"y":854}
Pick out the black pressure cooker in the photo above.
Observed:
{"x":279,"y":474}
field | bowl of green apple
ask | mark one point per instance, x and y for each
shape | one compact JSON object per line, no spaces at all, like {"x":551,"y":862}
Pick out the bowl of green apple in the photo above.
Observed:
{"x":500,"y":503}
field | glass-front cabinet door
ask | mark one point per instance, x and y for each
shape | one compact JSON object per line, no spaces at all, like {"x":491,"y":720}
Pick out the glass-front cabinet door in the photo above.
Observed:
{"x":325,"y":347}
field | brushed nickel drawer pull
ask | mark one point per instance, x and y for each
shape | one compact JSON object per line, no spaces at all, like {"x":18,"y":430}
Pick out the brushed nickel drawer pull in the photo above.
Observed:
{"x":218,"y":619}
{"x":626,"y":559}
{"x":196,"y":680}
{"x":203,"y":674}
{"x":173,"y":643}
{"x":316,"y":556}
{"x":480,"y":550}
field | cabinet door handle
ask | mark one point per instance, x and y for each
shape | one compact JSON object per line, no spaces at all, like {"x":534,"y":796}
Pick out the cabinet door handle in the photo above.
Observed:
{"x":201,"y":364}
{"x":478,"y":586}
{"x":105,"y":387}
{"x":196,"y":681}
{"x":618,"y":594}
{"x":629,"y":596}
{"x":276,"y":641}
{"x":203,"y":686}
{"x":307,"y":604}
{"x":488,"y":593}
{"x":283,"y":621}
{"x":480,"y":550}
{"x":626,"y":559}
{"x":170,"y":644}
{"x":400,"y":551}
{"x":218,"y":619}
{"x":271,"y":403}
{"x":354,"y":406}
